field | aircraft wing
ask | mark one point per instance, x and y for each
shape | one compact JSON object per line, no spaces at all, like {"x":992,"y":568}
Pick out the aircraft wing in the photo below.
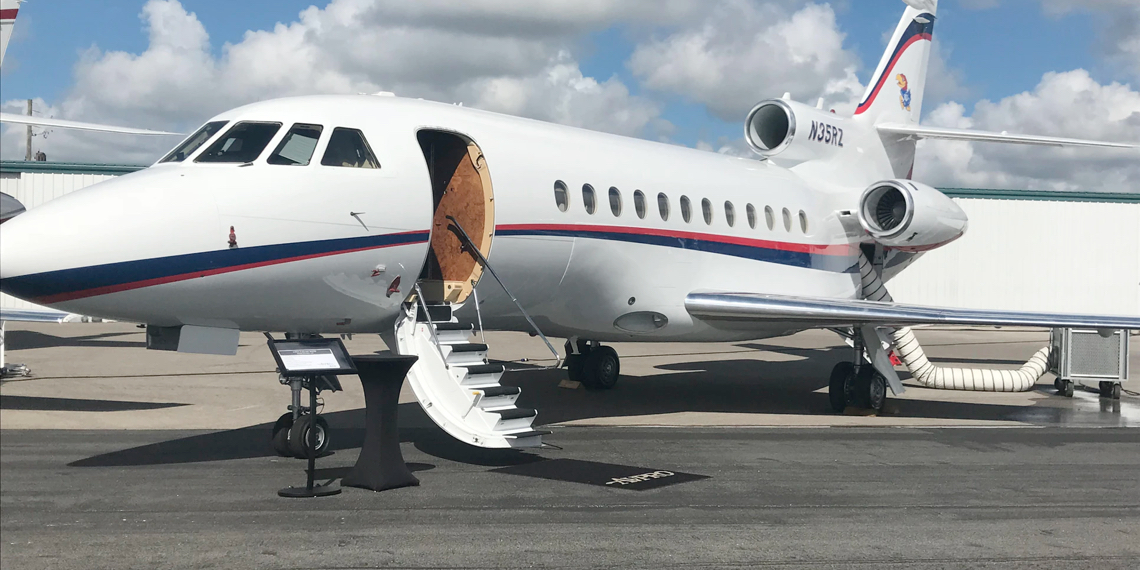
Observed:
{"x":923,"y":132}
{"x":740,"y":309}
{"x":65,"y":124}
{"x":35,"y":315}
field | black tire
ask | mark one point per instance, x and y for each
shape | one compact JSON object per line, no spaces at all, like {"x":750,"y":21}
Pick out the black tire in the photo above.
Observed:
{"x":1067,"y":389}
{"x":280,"y":438}
{"x":864,"y":394}
{"x":1105,"y":389}
{"x":299,"y":437}
{"x":876,"y":391}
{"x":1116,"y":390}
{"x":576,"y":362}
{"x":601,"y":369}
{"x":838,"y":386}
{"x":1057,"y":384}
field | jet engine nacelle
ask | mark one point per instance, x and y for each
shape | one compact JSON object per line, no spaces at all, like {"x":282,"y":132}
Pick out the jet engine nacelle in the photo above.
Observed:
{"x":792,"y":132}
{"x":910,"y":216}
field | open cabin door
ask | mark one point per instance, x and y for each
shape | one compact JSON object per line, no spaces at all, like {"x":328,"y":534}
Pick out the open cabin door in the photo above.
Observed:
{"x":461,"y":188}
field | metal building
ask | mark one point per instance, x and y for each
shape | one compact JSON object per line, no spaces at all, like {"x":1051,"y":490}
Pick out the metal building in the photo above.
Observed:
{"x":1033,"y":251}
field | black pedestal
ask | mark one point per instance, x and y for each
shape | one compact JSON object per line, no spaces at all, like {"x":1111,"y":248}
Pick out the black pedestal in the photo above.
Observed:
{"x":381,"y":465}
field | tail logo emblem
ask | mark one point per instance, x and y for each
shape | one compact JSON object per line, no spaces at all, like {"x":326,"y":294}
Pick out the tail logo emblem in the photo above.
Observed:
{"x":904,"y":90}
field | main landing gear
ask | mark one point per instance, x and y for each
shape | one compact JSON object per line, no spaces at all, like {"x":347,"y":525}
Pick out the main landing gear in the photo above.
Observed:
{"x":856,"y":384}
{"x":597,"y":367}
{"x":291,"y":432}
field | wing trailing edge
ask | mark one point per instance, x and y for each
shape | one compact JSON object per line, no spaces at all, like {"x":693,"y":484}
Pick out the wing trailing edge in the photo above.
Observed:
{"x":65,"y":124}
{"x":814,"y":312}
{"x":922,"y":132}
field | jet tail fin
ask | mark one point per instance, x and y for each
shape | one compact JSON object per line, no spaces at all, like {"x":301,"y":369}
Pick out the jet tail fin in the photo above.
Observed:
{"x":895,"y":92}
{"x":8,"y":10}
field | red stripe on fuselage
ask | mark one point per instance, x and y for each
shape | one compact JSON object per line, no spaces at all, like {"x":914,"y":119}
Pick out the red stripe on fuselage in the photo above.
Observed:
{"x":8,"y":14}
{"x":818,"y":249}
{"x":887,"y":72}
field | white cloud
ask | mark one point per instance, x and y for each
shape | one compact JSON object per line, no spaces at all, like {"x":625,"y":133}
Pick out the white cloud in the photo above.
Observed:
{"x":742,"y":52}
{"x":1069,"y":104}
{"x":1120,"y":39}
{"x":478,"y":53}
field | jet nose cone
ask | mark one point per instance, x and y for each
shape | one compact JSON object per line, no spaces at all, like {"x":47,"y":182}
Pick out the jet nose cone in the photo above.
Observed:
{"x":17,"y":258}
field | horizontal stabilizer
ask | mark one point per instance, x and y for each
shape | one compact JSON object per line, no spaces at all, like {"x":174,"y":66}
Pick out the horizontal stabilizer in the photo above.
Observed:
{"x":922,"y":132}
{"x":65,"y":124}
{"x":34,"y":315}
{"x":815,"y":312}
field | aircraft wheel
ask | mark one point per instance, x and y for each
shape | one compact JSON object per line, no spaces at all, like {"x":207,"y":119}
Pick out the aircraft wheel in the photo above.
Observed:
{"x":576,"y":362}
{"x":1066,"y":388}
{"x":839,"y":386}
{"x":280,"y":439}
{"x":601,"y":369}
{"x":299,"y":437}
{"x":870,"y":389}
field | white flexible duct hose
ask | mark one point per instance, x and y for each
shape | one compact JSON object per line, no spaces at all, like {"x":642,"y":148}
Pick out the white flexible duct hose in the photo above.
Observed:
{"x":931,"y":376}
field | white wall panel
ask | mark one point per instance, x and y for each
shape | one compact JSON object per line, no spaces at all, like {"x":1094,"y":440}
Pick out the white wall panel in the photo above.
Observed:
{"x":1079,"y":257}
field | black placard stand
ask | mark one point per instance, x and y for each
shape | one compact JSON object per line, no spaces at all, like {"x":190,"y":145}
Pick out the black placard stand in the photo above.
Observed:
{"x":381,"y":464}
{"x":325,"y":356}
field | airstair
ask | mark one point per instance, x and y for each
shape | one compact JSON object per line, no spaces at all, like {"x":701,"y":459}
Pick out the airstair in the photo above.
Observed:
{"x":453,"y":381}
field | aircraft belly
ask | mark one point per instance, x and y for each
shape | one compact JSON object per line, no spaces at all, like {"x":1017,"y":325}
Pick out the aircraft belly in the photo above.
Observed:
{"x":605,"y":280}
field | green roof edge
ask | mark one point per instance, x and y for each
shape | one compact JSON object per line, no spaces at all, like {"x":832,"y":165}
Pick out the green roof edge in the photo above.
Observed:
{"x":67,"y":167}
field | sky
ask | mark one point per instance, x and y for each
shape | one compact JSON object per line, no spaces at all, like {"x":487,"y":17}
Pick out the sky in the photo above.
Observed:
{"x":677,"y":71}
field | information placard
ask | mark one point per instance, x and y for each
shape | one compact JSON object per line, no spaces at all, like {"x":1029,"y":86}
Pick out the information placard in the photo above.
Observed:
{"x":311,"y":356}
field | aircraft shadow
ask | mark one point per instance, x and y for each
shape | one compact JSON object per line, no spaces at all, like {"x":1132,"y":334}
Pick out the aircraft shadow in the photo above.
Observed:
{"x":347,"y":433}
{"x":9,"y":402}
{"x":23,"y":340}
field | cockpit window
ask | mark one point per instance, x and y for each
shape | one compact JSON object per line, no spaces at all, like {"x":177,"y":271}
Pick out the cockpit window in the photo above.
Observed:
{"x":347,"y":147}
{"x":194,"y":141}
{"x":298,"y":145}
{"x":242,"y":143}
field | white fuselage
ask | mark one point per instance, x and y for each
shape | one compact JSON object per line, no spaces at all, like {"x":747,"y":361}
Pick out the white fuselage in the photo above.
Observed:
{"x":318,"y":247}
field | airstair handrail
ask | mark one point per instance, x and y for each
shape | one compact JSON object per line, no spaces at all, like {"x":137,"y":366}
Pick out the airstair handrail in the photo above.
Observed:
{"x":486,"y":265}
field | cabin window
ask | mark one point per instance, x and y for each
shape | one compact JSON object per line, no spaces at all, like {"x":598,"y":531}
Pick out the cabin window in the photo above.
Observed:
{"x":347,"y":147}
{"x":194,"y":142}
{"x":588,"y":199}
{"x":298,"y":145}
{"x":663,"y":206}
{"x":686,"y":209}
{"x":729,"y":214}
{"x":787,"y":220}
{"x":561,"y":195}
{"x":751,"y":211}
{"x":615,"y":201}
{"x":243,"y":143}
{"x":706,"y":210}
{"x":803,"y":222}
{"x":769,"y":217}
{"x":639,"y":204}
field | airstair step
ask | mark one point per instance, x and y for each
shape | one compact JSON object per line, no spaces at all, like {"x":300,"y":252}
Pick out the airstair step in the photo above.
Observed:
{"x":516,"y":413}
{"x":453,"y":327}
{"x":485,"y":369}
{"x":531,"y":433}
{"x":439,"y":314}
{"x":495,"y":391}
{"x":472,"y":347}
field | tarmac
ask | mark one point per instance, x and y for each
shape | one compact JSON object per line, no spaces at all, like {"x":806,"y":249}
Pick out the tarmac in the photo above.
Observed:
{"x":703,"y":456}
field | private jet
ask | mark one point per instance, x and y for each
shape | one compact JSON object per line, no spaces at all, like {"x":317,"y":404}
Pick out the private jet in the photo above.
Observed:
{"x":422,"y":222}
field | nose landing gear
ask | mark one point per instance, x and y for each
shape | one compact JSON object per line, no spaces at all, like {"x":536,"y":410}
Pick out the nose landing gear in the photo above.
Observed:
{"x":291,"y":431}
{"x":597,"y":367}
